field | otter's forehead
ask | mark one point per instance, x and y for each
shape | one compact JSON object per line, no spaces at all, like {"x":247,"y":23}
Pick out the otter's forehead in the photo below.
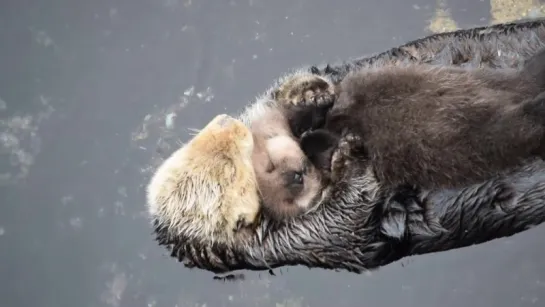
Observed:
{"x":224,"y":134}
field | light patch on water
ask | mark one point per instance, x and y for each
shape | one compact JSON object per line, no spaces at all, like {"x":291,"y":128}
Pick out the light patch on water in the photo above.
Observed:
{"x":101,"y":212}
{"x":76,"y":222}
{"x":115,"y":289}
{"x":113,"y":13}
{"x":152,"y":302}
{"x":511,"y":10}
{"x":169,"y":120}
{"x":119,"y":208}
{"x":206,"y":95}
{"x":189,"y":91}
{"x":142,"y":132}
{"x":170,"y":3}
{"x":122,"y":191}
{"x":65,"y":200}
{"x":3,"y":105}
{"x":20,"y":143}
{"x":2,"y":231}
{"x":42,"y":38}
{"x":502,"y":11}
{"x":162,"y":123}
{"x":291,"y":302}
{"x":442,"y":20}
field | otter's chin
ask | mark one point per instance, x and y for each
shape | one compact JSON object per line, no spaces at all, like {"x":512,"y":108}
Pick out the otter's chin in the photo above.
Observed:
{"x":206,"y":191}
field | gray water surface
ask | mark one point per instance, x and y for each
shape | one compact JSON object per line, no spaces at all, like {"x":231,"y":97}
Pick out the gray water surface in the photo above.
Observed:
{"x":86,"y":92}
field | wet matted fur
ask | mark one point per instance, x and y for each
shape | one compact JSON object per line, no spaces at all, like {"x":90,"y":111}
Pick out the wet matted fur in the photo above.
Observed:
{"x":361,"y":228}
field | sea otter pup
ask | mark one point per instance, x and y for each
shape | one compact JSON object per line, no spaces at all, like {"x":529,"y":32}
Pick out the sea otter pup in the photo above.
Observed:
{"x":288,"y":183}
{"x":428,"y":126}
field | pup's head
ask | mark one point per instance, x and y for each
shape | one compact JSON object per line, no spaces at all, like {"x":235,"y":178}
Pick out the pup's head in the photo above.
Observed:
{"x":207,"y":189}
{"x":289,"y":184}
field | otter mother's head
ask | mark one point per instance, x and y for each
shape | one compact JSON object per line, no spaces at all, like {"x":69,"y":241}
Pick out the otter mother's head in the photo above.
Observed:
{"x":194,"y":191}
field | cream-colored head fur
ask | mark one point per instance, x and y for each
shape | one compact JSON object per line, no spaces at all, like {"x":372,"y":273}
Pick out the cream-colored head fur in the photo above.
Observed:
{"x":207,"y":188}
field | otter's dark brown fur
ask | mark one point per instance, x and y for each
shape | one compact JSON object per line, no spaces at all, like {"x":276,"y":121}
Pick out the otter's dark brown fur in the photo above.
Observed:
{"x":358,"y":227}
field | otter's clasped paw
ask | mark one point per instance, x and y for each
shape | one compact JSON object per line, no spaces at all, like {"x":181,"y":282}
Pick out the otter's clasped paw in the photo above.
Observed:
{"x":306,"y":89}
{"x":343,"y":154}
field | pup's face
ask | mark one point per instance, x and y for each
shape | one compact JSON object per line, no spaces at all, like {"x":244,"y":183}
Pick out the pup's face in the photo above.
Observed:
{"x":289,"y":184}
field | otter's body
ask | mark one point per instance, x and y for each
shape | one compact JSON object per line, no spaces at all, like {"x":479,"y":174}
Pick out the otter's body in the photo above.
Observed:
{"x":443,"y":127}
{"x":356,"y":228}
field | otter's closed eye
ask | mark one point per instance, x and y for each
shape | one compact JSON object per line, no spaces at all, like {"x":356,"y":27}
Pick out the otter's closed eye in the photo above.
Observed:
{"x":294,"y":178}
{"x":270,"y":166}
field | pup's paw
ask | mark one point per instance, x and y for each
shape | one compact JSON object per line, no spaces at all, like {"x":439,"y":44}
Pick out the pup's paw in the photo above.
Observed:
{"x":306,"y":89}
{"x":344,"y":154}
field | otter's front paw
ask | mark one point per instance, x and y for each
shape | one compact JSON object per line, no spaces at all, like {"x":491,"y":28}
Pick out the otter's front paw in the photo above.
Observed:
{"x":306,"y":89}
{"x":343,"y":155}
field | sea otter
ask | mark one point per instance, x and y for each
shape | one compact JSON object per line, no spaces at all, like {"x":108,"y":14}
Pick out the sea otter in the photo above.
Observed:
{"x":358,"y":228}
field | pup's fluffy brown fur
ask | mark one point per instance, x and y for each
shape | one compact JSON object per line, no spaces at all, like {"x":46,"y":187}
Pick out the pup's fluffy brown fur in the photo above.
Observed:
{"x":433,"y":126}
{"x":210,"y":180}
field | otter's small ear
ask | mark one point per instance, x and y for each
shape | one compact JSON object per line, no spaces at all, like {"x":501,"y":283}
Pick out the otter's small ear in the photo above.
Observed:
{"x":319,"y":146}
